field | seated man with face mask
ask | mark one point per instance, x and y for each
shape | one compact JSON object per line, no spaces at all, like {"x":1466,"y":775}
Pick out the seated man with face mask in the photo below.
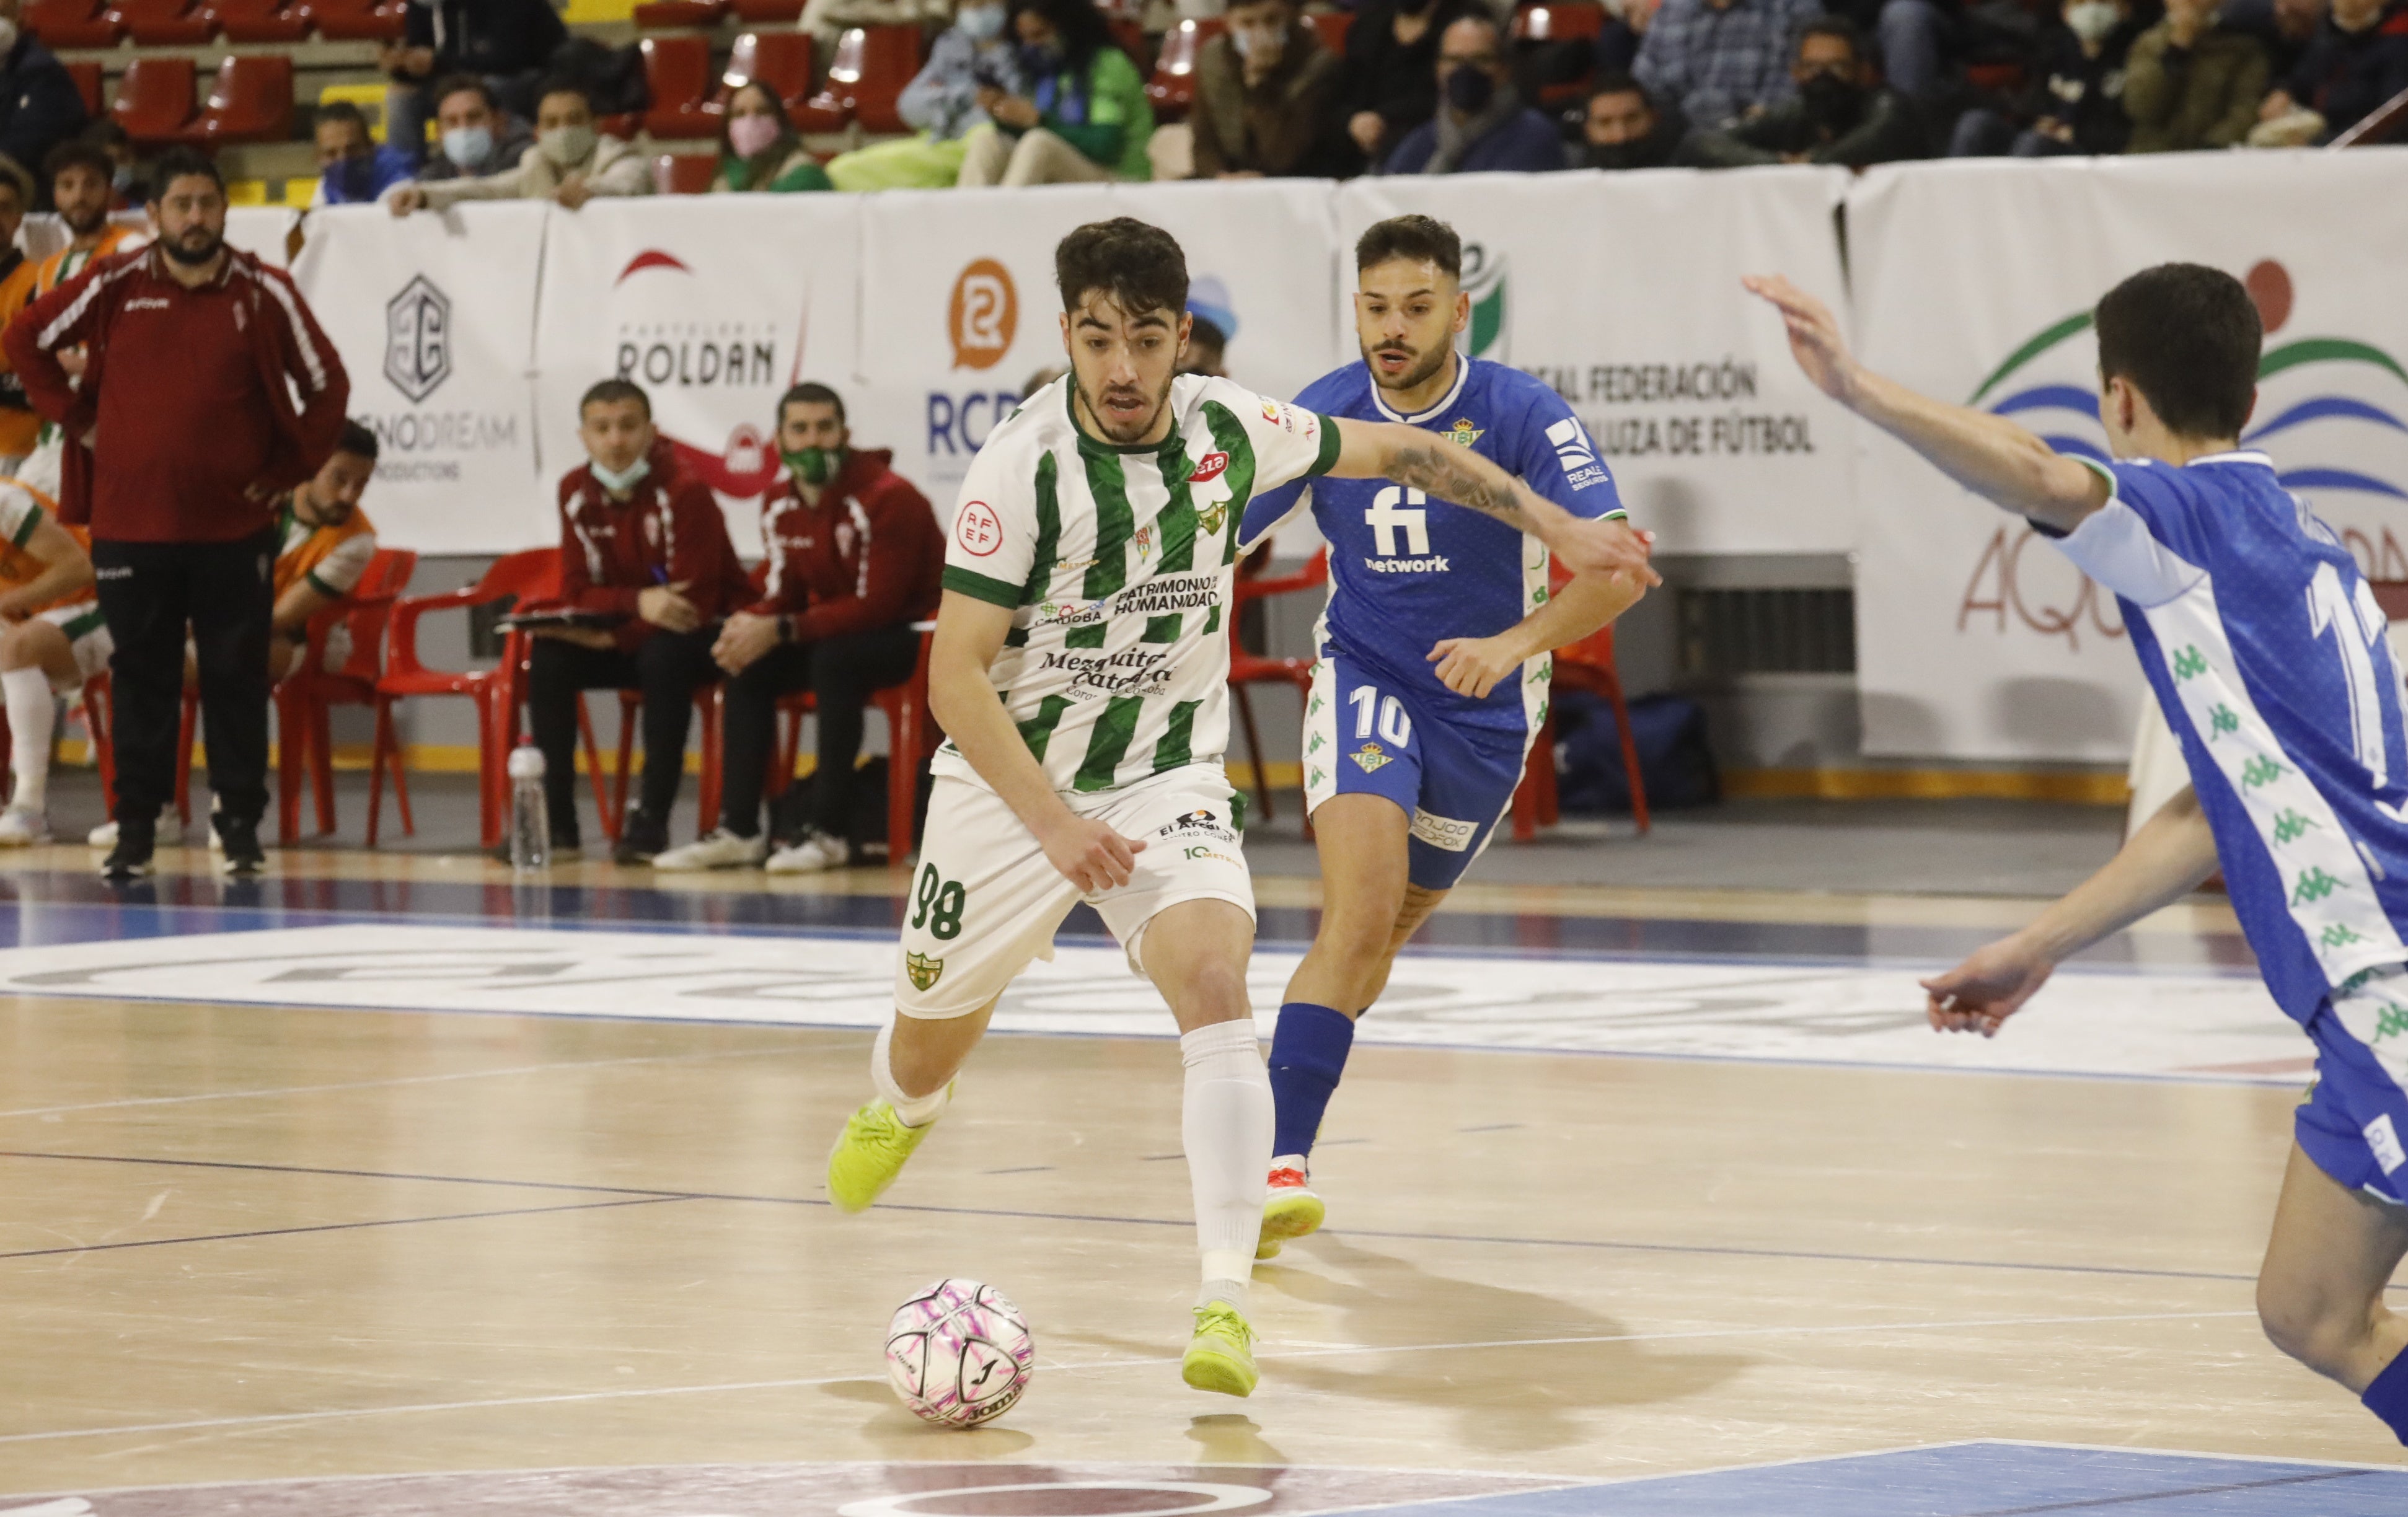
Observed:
{"x":479,"y":138}
{"x":352,"y":166}
{"x":1836,"y":116}
{"x":570,"y":162}
{"x":1481,"y":124}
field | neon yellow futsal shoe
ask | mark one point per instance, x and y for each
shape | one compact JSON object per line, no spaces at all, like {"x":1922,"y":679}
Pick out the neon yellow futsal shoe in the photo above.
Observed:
{"x":869,"y":1154}
{"x":1221,"y":1356}
{"x":1290,"y":1210}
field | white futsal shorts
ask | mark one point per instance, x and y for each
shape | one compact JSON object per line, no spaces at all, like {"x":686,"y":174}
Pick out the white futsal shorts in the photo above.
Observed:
{"x":984,"y":901}
{"x":87,"y":637}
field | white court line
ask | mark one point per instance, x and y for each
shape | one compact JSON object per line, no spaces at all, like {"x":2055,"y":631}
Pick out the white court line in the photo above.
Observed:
{"x":637,"y":1393}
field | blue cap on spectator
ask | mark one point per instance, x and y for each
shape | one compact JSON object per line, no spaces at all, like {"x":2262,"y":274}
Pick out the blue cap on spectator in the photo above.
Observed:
{"x":1209,"y":297}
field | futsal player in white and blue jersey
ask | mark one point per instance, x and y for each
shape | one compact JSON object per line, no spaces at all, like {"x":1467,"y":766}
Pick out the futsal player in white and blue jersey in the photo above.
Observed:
{"x":1431,"y":679}
{"x":2267,"y":653}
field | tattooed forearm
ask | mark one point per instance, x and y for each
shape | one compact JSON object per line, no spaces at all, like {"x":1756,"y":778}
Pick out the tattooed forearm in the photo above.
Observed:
{"x":1457,"y":475}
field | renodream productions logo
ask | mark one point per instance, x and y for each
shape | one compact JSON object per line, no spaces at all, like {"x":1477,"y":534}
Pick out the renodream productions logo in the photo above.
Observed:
{"x":425,"y":444}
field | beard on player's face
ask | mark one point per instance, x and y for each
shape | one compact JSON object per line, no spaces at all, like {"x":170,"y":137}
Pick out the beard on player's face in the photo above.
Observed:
{"x":1419,"y":364}
{"x":1124,"y":398}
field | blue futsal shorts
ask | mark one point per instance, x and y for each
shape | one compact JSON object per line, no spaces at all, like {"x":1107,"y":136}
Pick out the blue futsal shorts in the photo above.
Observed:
{"x":1367,"y":732}
{"x":2353,"y":1122}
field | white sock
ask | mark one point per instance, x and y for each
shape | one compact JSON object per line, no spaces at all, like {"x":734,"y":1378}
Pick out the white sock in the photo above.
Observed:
{"x":915,"y":1110}
{"x":1227,"y":1125}
{"x":32,"y":713}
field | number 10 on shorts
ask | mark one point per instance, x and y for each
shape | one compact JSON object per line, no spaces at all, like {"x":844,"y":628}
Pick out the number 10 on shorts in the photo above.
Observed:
{"x":1394,"y":725}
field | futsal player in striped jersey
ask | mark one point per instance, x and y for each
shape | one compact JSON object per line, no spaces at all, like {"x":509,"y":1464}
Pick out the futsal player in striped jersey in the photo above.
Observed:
{"x":2267,"y":653}
{"x":1080,"y":669}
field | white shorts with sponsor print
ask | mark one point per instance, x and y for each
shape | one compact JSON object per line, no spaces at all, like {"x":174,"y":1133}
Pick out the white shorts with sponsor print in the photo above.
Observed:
{"x":87,"y":638}
{"x":984,"y":901}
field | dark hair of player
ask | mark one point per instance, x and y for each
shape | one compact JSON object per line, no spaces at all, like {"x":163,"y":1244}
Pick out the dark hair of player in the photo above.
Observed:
{"x":358,"y":441}
{"x":1837,"y":26}
{"x":343,"y":110}
{"x":1420,"y":240}
{"x":2186,"y":337}
{"x":610,"y":392}
{"x":811,"y":392}
{"x":182,"y":164}
{"x":1136,"y":266}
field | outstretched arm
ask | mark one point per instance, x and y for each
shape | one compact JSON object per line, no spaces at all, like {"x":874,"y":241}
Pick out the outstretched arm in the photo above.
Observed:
{"x":1419,"y":460}
{"x":2167,"y":859}
{"x":1988,"y":454}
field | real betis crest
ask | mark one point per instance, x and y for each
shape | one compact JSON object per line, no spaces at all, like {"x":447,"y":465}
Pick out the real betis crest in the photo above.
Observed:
{"x":1372,"y":757}
{"x":1463,"y":434}
{"x":924,"y":970}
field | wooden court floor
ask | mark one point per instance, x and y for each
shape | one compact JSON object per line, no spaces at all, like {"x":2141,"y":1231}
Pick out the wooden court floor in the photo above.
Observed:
{"x":244,"y":1243}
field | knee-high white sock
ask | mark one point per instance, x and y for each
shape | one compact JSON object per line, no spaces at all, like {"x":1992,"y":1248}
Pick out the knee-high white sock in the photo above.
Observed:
{"x":1227,"y":1125}
{"x":915,"y":1110}
{"x":32,"y":712}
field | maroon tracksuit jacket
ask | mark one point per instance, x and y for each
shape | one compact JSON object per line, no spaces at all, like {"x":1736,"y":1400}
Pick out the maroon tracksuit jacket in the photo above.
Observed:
{"x":868,"y":555}
{"x":667,"y":532}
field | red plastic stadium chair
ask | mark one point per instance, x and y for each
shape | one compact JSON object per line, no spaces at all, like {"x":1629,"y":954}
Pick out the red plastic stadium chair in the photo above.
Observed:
{"x":683,"y":173}
{"x":890,"y":57}
{"x":832,"y":107}
{"x":1247,"y":668}
{"x":250,"y":101}
{"x":162,"y":23}
{"x":154,"y":100}
{"x":103,"y":751}
{"x":303,"y":740}
{"x":768,"y":12}
{"x":72,"y":23}
{"x":256,"y":20}
{"x":780,"y":60}
{"x":87,"y":83}
{"x":1588,"y":665}
{"x":661,"y":15}
{"x":1332,"y":26}
{"x":676,"y":73}
{"x":355,"y":21}
{"x":709,"y":704}
{"x":1172,"y":89}
{"x":908,"y":732}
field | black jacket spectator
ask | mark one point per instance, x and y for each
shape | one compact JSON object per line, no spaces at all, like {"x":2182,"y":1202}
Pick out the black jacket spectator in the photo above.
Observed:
{"x":495,"y":38}
{"x":1394,"y":81}
{"x":39,"y":105}
{"x":2085,"y":93}
{"x":1622,"y":127}
{"x":2283,"y":27}
{"x":1836,"y":115}
{"x":2344,"y":75}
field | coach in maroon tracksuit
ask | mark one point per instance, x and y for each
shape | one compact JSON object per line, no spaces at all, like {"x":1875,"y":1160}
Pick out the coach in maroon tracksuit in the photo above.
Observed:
{"x":182,"y":434}
{"x":640,"y":540}
{"x":855,"y":557}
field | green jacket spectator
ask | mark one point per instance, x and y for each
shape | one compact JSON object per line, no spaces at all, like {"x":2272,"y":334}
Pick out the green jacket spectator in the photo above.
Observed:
{"x":2189,"y":83}
{"x":1085,"y":116}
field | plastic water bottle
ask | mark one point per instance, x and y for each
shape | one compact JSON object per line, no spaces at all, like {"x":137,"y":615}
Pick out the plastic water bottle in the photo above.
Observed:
{"x":530,"y":818}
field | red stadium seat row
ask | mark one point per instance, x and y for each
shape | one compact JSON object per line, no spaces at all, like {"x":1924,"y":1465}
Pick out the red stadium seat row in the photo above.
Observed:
{"x":656,"y":15}
{"x":158,"y":23}
{"x":250,"y":101}
{"x":864,"y":78}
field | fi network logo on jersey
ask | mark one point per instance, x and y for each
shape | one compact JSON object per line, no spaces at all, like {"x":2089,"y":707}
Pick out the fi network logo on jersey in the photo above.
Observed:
{"x":1395,"y":509}
{"x":1575,"y":453}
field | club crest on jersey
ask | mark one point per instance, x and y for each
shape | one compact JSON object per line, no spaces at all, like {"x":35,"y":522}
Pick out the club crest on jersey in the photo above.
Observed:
{"x":1372,"y":757}
{"x":924,"y":971}
{"x":1212,"y":516}
{"x":1463,"y":434}
{"x":1209,"y":468}
{"x":1144,"y":540}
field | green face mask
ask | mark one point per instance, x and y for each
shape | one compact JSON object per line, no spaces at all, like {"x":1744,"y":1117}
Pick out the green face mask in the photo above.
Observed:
{"x":814,"y":466}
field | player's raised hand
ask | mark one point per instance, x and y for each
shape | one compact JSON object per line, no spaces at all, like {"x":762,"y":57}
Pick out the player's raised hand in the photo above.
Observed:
{"x":1815,"y":337}
{"x":1990,"y":986}
{"x":1472,"y":666}
{"x":1090,"y":853}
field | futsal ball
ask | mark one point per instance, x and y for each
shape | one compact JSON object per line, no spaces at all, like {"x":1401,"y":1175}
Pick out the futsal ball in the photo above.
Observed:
{"x":959,"y":1354}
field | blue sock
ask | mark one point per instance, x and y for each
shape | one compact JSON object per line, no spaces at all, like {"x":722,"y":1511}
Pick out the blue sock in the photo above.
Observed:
{"x":2387,"y":1398}
{"x":1308,"y":1054}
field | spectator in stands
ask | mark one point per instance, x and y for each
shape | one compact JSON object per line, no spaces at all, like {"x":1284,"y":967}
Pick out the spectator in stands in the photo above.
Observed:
{"x":942,"y":105}
{"x":39,"y":104}
{"x":758,"y":149}
{"x":827,"y":21}
{"x":2358,"y":60}
{"x":127,"y":191}
{"x":2075,"y":100}
{"x":1266,"y":98}
{"x":1085,"y":117}
{"x":352,"y":167}
{"x":854,"y":556}
{"x":477,"y":137}
{"x":1208,"y":349}
{"x":1391,"y":81}
{"x":208,"y":387}
{"x":642,"y":543}
{"x":1839,"y":114}
{"x":1481,"y":126}
{"x":1625,"y":27}
{"x":507,"y":43}
{"x":1719,"y":61}
{"x":20,"y":425}
{"x":570,"y":162}
{"x":2191,"y":83}
{"x":2283,"y":27}
{"x":1622,"y":129}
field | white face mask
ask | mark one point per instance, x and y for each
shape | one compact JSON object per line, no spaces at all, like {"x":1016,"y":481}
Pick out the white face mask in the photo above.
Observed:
{"x":566,"y":146}
{"x":619,"y":481}
{"x":2093,"y":19}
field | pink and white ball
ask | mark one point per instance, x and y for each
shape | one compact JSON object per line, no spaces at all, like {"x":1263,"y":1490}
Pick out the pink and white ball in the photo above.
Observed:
{"x":959,"y":1354}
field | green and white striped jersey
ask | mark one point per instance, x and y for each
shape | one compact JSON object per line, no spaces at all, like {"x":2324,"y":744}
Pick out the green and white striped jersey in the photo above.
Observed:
{"x":1118,"y":564}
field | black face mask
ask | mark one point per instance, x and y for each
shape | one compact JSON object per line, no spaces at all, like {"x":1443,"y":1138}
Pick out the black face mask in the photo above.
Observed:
{"x":1468,"y":90}
{"x":1631,"y":154}
{"x":1829,"y":100}
{"x":359,"y":177}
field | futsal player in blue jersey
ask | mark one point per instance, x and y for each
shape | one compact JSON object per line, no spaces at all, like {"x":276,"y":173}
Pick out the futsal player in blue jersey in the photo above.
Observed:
{"x":1431,"y":679}
{"x":2266,"y":651}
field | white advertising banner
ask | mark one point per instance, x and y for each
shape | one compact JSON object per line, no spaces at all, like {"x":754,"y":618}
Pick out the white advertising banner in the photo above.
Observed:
{"x":716,"y":305}
{"x":435,"y":318}
{"x":960,"y":309}
{"x":1974,"y":282}
{"x":1622,"y":291}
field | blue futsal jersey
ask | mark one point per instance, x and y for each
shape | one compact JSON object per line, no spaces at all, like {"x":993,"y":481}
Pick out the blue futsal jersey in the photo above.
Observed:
{"x":1408,"y":571}
{"x":2268,"y":653}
